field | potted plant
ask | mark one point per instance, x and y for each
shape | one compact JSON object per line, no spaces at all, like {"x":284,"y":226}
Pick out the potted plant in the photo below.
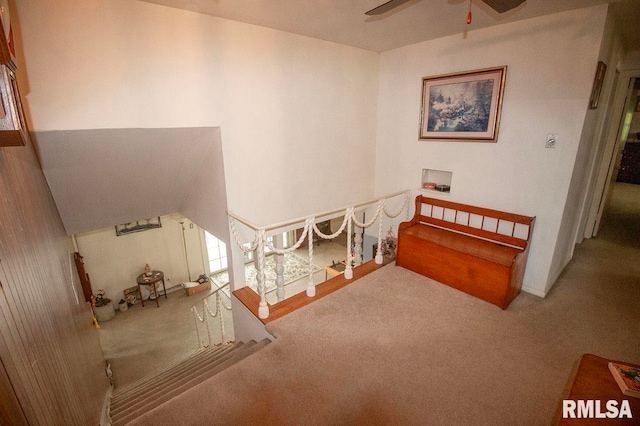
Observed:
{"x":389,"y":244}
{"x":102,"y":306}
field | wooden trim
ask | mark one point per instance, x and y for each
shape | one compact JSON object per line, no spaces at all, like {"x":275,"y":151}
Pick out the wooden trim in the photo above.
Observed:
{"x":251,"y":299}
{"x":482,"y":233}
{"x":478,"y":211}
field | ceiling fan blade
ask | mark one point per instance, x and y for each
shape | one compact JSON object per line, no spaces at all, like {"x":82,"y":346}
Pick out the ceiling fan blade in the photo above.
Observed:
{"x":502,"y":6}
{"x":385,"y":7}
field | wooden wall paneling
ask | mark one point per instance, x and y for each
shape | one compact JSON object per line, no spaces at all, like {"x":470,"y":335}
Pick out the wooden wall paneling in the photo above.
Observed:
{"x":14,"y":306}
{"x":28,"y":304}
{"x":24,"y":301}
{"x":17,"y":362}
{"x":49,"y":339}
{"x":10,"y":410}
{"x":54,"y":355}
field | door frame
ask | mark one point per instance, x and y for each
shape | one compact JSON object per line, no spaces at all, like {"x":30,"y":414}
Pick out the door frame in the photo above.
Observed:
{"x":613,"y":142}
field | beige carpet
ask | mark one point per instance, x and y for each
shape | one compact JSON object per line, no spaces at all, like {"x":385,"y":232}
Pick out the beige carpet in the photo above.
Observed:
{"x":397,"y":348}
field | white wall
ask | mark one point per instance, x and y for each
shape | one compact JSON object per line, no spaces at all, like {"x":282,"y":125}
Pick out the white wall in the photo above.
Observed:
{"x":551,"y":63}
{"x":583,"y":191}
{"x":113,"y":262}
{"x":290,"y":108}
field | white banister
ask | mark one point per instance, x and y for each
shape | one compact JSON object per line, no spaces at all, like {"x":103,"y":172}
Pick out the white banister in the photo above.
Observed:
{"x":277,"y":242}
{"x":353,"y":256}
{"x":311,"y":286}
{"x":206,"y":313}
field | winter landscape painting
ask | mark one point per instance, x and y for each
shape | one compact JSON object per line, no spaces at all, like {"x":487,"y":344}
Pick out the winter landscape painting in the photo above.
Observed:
{"x":463,"y":106}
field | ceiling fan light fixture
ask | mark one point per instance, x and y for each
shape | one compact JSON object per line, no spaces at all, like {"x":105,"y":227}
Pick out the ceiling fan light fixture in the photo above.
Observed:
{"x":502,"y":6}
{"x":385,"y":7}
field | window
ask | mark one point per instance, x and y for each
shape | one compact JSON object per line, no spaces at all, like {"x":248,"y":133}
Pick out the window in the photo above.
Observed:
{"x":216,"y":252}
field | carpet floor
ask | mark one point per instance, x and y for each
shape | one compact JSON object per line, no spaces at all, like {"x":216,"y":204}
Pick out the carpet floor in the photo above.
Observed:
{"x":398,"y":348}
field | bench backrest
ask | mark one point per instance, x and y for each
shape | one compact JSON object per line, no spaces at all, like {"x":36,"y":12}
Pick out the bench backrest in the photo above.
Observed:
{"x":506,"y":228}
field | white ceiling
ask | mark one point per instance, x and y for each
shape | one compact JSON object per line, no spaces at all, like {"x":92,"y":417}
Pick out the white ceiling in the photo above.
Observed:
{"x":345,"y":22}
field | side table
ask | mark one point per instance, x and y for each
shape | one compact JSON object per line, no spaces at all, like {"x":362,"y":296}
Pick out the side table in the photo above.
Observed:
{"x":152,"y":280}
{"x":592,"y":380}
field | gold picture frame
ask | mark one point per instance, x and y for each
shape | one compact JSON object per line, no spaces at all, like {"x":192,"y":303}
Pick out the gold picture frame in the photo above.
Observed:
{"x":464,"y":106}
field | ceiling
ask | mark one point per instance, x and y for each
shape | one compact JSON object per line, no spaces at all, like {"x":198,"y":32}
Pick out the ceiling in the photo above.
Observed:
{"x":99,"y":179}
{"x":345,"y":22}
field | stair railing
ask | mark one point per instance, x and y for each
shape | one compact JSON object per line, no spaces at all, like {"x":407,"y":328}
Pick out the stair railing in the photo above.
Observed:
{"x":220,"y":305}
{"x":353,"y":257}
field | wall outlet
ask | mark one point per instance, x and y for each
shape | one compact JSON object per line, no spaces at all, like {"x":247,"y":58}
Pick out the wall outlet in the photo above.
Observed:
{"x":552,"y":140}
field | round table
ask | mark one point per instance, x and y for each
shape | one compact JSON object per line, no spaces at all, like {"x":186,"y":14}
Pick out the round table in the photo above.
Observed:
{"x":153,"y":279}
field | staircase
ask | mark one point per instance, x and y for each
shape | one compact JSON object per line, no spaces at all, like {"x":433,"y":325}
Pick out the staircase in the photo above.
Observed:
{"x":141,"y":396}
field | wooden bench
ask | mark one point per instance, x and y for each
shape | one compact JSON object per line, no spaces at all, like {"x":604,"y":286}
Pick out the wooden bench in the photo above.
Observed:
{"x":480,"y":251}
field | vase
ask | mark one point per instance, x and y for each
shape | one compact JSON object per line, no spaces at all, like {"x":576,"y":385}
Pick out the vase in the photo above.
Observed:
{"x":105,"y":312}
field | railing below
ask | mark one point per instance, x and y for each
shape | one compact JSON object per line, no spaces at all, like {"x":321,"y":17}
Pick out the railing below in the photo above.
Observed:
{"x":309,"y":227}
{"x":207,"y":314}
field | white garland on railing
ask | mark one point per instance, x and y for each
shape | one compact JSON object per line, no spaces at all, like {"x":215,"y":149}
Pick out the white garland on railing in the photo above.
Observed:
{"x":311,"y":228}
{"x":335,"y":234}
{"x":373,"y":219}
{"x":234,"y":231}
{"x":379,"y":209}
{"x":307,"y":225}
{"x":204,"y":318}
{"x":404,"y":204}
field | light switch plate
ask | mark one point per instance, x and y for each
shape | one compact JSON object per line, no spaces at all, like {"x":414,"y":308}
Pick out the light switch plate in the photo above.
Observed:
{"x":552,"y":140}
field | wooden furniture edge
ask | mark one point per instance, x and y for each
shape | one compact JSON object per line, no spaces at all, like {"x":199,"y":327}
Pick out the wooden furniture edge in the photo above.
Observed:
{"x":590,"y":379}
{"x":251,"y":299}
{"x":499,"y":238}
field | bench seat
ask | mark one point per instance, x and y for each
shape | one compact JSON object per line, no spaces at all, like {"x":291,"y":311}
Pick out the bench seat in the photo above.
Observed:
{"x":472,"y":246}
{"x":481,"y":262}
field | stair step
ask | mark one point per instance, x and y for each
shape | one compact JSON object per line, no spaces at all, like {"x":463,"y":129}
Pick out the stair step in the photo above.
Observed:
{"x":169,"y":379}
{"x":143,"y":397}
{"x":154,"y":378}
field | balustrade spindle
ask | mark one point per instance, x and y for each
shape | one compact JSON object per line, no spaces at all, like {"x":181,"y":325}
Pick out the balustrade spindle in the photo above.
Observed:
{"x":379,"y":252}
{"x":279,"y":269}
{"x":358,"y":246}
{"x":353,"y":254}
{"x":263,"y":308}
{"x":348,"y":272}
{"x":311,"y":286}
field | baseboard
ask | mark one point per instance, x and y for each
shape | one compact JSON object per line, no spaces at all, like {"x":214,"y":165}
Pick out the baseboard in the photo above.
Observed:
{"x":534,"y":291}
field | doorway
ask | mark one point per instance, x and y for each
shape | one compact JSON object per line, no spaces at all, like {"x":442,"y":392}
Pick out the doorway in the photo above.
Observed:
{"x":623,"y":130}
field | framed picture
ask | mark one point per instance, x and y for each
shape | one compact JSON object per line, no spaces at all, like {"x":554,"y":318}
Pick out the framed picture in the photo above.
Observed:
{"x":138,"y":226}
{"x":463,"y":106}
{"x":597,"y":85}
